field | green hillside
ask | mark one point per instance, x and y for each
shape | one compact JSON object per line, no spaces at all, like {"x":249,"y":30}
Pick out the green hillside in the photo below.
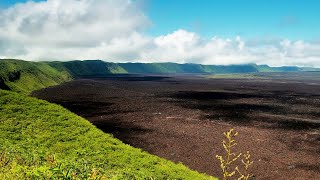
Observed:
{"x":209,"y":69}
{"x":40,"y":140}
{"x":185,"y":68}
{"x":83,"y":68}
{"x":114,"y":68}
{"x":24,"y":76}
{"x":266,"y":68}
{"x":248,"y":68}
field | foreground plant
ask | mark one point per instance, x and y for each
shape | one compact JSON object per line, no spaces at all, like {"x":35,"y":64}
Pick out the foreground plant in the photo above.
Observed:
{"x":227,"y":162}
{"x":16,"y":167}
{"x":246,"y":162}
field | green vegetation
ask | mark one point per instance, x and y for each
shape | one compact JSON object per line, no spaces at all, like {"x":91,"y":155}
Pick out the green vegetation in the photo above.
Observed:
{"x":266,"y":68}
{"x":198,"y":68}
{"x":23,"y":76}
{"x":161,"y":68}
{"x":83,"y":68}
{"x":40,"y":140}
{"x":185,"y":68}
{"x":115,"y":68}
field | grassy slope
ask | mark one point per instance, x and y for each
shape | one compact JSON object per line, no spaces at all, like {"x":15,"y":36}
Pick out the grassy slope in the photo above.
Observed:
{"x":35,"y":131}
{"x":32,"y":75}
{"x":85,"y":68}
{"x":36,"y":75}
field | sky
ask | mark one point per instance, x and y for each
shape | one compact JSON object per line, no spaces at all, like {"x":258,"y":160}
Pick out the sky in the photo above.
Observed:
{"x":273,"y":32}
{"x":294,"y":19}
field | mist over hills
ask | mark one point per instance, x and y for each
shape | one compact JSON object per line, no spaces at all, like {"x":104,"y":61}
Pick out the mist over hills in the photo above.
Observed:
{"x":25,"y":76}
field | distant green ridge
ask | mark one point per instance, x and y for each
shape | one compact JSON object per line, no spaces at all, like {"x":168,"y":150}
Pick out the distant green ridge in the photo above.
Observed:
{"x":25,"y":76}
{"x":34,"y":131}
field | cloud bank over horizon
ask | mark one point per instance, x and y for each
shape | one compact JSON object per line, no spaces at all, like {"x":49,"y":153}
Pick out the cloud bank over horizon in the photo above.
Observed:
{"x":114,"y":30}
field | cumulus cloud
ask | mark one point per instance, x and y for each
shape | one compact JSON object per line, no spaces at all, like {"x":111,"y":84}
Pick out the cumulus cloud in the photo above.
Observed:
{"x":112,"y":30}
{"x":56,"y":27}
{"x":188,"y":47}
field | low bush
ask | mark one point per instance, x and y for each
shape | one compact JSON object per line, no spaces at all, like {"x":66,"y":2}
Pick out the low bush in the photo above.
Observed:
{"x":228,"y":162}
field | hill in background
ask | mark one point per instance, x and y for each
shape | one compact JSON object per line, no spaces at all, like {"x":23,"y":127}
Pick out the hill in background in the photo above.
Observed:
{"x":25,"y":76}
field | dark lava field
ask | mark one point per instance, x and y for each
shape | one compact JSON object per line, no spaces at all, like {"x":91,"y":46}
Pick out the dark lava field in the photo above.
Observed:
{"x":182,"y":117}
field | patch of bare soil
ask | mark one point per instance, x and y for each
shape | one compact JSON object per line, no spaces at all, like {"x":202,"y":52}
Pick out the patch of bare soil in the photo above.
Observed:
{"x":182,"y":118}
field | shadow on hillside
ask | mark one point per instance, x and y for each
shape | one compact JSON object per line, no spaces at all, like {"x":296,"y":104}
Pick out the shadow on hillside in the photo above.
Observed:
{"x":3,"y":85}
{"x":162,"y":79}
{"x":103,"y":117}
{"x":145,"y":78}
{"x":126,"y":77}
{"x":124,"y":131}
{"x":85,"y":108}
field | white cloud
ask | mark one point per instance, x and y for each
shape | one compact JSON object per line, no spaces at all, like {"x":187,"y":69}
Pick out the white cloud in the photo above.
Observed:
{"x":56,"y":27}
{"x":187,"y":47}
{"x":112,"y":30}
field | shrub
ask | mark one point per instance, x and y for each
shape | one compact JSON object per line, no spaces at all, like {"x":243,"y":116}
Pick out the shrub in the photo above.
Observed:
{"x":228,"y":162}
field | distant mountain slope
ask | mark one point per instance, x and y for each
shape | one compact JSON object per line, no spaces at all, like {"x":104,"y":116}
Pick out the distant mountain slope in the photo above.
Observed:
{"x":24,"y":76}
{"x":84,"y":68}
{"x":198,"y":68}
{"x":266,"y":68}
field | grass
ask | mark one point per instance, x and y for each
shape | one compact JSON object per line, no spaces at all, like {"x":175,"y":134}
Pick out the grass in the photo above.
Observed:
{"x":32,"y":75}
{"x":40,"y":140}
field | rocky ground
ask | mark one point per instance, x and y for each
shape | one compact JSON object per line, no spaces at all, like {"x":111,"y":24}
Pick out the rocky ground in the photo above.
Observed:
{"x":182,"y":118}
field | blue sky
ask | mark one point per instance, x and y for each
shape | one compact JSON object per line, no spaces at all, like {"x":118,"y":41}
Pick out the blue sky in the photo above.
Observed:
{"x":292,"y":19}
{"x":273,"y":32}
{"x":7,"y":3}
